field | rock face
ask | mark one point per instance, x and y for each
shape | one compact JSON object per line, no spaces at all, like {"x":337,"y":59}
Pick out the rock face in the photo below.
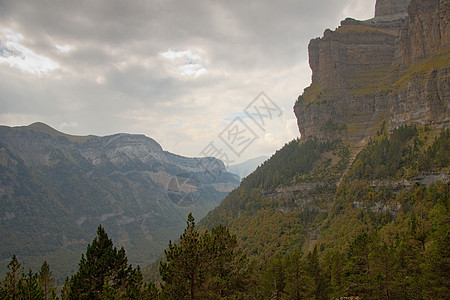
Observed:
{"x":55,"y":189}
{"x":393,"y":67}
{"x":427,"y":31}
{"x":385,"y":8}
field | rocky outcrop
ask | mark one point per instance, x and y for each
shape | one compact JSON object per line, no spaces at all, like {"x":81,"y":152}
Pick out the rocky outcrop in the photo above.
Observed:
{"x":427,"y":32}
{"x":392,"y":67}
{"x":352,"y":48}
{"x":387,"y":8}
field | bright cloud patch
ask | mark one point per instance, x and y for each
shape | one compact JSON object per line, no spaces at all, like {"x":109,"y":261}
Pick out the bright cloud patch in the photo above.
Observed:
{"x":64,"y":48}
{"x":16,"y":55}
{"x":187,"y":63}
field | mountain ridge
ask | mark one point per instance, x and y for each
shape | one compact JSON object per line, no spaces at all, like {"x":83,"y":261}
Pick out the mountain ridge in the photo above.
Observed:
{"x":55,"y":189}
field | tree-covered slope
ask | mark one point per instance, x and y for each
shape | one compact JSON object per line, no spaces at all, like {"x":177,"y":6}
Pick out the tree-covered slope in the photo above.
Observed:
{"x":368,"y":224}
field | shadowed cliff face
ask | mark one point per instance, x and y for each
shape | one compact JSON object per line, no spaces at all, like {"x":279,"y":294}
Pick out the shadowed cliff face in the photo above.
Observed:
{"x":428,"y":30}
{"x":385,"y":8}
{"x":392,"y":67}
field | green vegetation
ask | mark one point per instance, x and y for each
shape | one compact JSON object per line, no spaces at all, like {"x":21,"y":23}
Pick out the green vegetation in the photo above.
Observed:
{"x":204,"y":266}
{"x":304,"y":225}
{"x":439,"y":60}
{"x":17,"y":285}
{"x":104,"y":273}
{"x":402,"y":154}
{"x":312,"y":94}
{"x":372,"y":231}
{"x":362,"y":29}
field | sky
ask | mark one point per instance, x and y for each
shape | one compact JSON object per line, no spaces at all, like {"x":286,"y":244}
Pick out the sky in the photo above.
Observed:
{"x":202,"y":78}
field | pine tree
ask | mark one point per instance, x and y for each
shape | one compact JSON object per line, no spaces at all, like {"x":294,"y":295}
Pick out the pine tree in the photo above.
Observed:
{"x":358,"y":267}
{"x":31,"y":289}
{"x":314,"y":270}
{"x":275,"y":280}
{"x":104,"y":267}
{"x":46,"y":281}
{"x":65,"y":291}
{"x":151,"y":291}
{"x":298,"y":284}
{"x":12,"y":285}
{"x":183,"y":272}
{"x":226,"y":264}
{"x":203,"y":266}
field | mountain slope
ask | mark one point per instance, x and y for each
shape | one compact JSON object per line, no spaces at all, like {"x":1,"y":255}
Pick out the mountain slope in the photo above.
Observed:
{"x":55,"y":189}
{"x":372,"y":165}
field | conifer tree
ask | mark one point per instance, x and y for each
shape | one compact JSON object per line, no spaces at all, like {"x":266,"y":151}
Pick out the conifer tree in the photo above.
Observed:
{"x":298,"y":284}
{"x":275,"y":279}
{"x":46,"y":281}
{"x":104,"y":267}
{"x":314,"y":270}
{"x":203,"y":266}
{"x":12,"y":285}
{"x":358,"y":266}
{"x":31,"y":289}
{"x":227,"y":266}
{"x":183,"y":272}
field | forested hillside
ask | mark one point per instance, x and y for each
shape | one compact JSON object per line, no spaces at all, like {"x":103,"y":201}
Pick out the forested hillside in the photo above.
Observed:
{"x":387,"y":217}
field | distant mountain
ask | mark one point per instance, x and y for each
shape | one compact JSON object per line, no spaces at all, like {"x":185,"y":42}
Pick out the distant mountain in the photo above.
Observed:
{"x":245,"y":168}
{"x":55,"y":189}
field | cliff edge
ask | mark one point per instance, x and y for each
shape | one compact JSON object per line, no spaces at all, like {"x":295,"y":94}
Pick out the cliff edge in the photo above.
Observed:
{"x":394,"y":68}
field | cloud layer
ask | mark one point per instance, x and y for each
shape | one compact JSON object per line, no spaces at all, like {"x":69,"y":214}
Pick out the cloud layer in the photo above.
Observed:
{"x":178,"y":71}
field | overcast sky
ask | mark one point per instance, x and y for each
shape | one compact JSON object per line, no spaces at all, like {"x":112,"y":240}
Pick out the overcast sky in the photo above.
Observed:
{"x":181,"y":72}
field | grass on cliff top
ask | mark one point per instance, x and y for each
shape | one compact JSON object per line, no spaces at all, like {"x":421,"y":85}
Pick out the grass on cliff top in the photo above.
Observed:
{"x":312,"y":94}
{"x":361,"y":29}
{"x":438,"y":61}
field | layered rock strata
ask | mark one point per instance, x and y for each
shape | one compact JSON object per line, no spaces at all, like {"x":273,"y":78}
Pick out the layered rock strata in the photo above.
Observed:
{"x":392,"y":67}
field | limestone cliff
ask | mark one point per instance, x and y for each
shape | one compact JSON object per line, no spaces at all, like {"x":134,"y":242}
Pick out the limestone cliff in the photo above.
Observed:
{"x":394,"y":67}
{"x":385,"y":8}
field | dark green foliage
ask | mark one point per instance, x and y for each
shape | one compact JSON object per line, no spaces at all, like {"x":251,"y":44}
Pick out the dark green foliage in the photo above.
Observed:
{"x":438,"y":155}
{"x":385,"y":233}
{"x":151,"y":291}
{"x":12,"y":286}
{"x":104,"y":271}
{"x":31,"y":288}
{"x":384,"y":157}
{"x":275,"y":279}
{"x":203,"y":266}
{"x":399,"y":155}
{"x":358,"y":267}
{"x":294,"y":159}
{"x":299,"y":284}
{"x":47,"y":282}
{"x":316,"y":272}
{"x":183,"y":272}
{"x":251,"y":211}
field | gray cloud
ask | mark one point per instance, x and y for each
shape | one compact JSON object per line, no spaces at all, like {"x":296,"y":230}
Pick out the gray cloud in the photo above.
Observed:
{"x":112,"y":76}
